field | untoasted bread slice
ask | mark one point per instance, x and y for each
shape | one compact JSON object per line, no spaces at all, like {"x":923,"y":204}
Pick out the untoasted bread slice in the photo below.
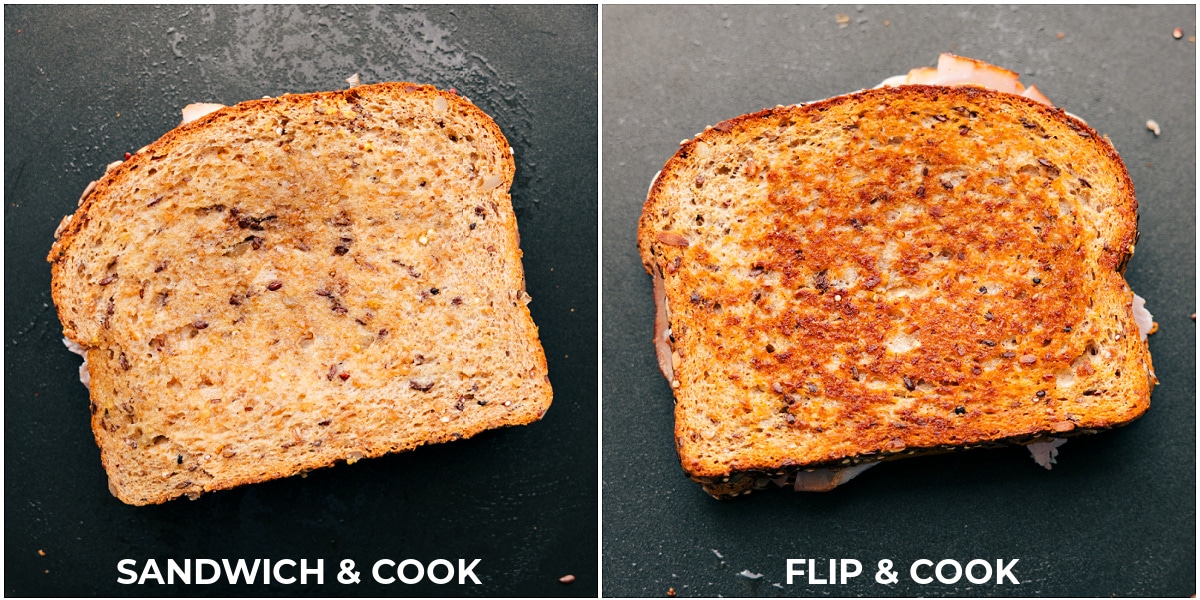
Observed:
{"x":895,"y":271}
{"x":296,"y":281}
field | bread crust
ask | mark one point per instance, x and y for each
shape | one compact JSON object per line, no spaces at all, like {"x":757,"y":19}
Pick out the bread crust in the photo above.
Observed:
{"x":801,"y":350}
{"x":445,"y":398}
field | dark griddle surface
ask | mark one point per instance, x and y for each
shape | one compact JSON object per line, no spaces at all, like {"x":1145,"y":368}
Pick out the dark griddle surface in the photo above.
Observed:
{"x":83,"y":85}
{"x":1115,"y":517}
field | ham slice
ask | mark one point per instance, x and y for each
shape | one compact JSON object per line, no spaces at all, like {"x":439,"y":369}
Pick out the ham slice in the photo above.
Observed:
{"x":960,"y":70}
{"x":1033,"y":93}
{"x":194,"y":111}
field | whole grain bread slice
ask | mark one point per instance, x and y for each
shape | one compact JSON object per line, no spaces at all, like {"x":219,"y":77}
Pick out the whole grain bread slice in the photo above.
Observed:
{"x":897,"y":271}
{"x":296,"y":281}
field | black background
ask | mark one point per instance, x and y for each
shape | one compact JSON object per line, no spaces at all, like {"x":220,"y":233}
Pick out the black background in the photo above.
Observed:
{"x":83,"y":85}
{"x":1116,"y":516}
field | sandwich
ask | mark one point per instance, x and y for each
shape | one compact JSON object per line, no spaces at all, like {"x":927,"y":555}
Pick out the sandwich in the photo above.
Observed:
{"x":293,"y":282}
{"x":926,"y":266}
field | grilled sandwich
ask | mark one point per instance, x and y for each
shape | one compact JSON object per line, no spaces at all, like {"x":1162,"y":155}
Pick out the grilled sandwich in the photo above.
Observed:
{"x":293,"y":282}
{"x":903,"y":270}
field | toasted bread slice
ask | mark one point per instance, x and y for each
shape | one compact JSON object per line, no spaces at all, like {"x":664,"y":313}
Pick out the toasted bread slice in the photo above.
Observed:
{"x":900,"y":270}
{"x":296,"y":281}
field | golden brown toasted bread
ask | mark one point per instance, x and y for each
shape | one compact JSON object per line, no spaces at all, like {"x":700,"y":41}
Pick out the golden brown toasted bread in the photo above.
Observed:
{"x":895,"y":271}
{"x":296,"y":281}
